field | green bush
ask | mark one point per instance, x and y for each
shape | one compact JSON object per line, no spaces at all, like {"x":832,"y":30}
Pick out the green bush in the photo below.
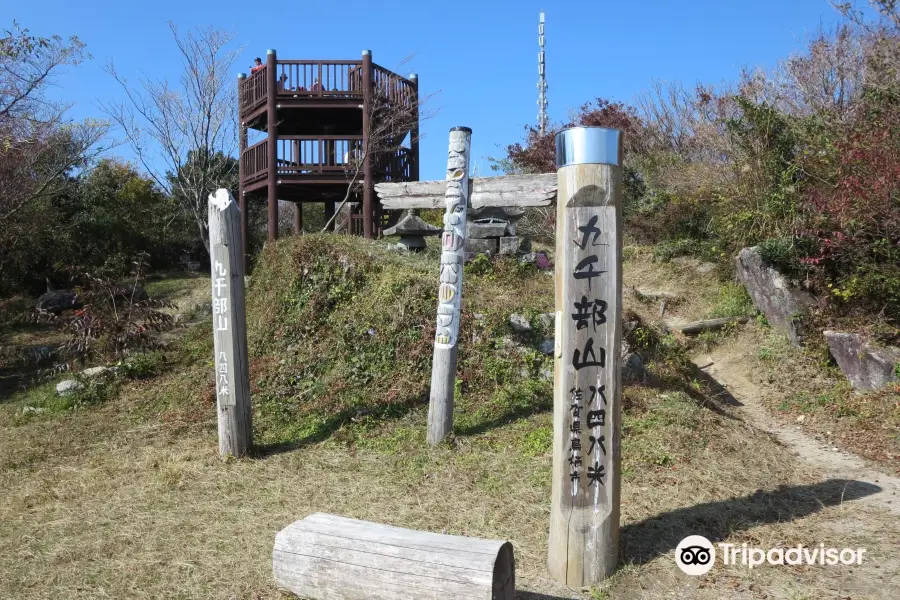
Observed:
{"x":142,"y":365}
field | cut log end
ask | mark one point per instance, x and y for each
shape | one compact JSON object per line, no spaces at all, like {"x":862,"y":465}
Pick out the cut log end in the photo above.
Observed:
{"x":504,"y":585}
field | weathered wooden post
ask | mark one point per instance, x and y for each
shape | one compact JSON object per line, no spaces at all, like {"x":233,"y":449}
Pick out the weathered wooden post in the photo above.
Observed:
{"x":229,"y":325}
{"x":584,"y":514}
{"x":368,"y":144}
{"x":453,"y":254}
{"x":272,"y":143}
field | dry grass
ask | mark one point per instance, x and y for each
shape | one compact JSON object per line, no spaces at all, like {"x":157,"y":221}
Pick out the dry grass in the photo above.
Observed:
{"x":825,"y":404}
{"x":129,"y":500}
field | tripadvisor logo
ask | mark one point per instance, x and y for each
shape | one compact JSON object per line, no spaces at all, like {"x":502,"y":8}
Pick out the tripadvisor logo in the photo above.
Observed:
{"x":695,"y":555}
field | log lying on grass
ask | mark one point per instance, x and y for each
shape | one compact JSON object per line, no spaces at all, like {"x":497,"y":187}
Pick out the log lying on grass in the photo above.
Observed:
{"x":696,"y":327}
{"x":655,"y":295}
{"x":328,"y":557}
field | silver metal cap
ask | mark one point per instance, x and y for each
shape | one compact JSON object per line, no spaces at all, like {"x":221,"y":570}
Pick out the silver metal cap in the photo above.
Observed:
{"x":588,"y":146}
{"x":270,"y":51}
{"x":367,"y":53}
{"x":242,"y":75}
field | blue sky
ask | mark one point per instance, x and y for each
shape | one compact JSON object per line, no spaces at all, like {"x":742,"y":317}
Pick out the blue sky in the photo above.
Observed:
{"x":481,"y":57}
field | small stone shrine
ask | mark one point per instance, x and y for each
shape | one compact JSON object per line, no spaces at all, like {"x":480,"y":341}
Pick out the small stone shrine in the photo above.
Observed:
{"x":492,"y":230}
{"x":412,"y":231}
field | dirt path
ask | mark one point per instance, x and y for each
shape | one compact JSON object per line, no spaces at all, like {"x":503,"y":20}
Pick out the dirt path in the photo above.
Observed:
{"x":728,"y":365}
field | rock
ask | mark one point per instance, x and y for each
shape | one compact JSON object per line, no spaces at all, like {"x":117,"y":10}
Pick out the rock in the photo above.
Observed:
{"x":97,"y":371}
{"x":509,"y":245}
{"x":782,"y":304}
{"x":57,"y":301}
{"x":132,"y":293}
{"x":32,"y":409}
{"x":68,"y":386}
{"x":547,"y":346}
{"x":632,"y":368}
{"x":694,"y":263}
{"x":478,"y":316}
{"x":547,"y":374}
{"x":547,"y":320}
{"x":482,"y":246}
{"x":867,"y":366}
{"x":519,"y":323}
{"x":38,"y":353}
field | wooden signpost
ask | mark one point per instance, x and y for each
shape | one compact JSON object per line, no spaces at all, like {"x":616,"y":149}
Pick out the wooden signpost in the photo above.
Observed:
{"x":229,"y":325}
{"x":584,"y":516}
{"x":453,"y":241}
{"x":505,"y":191}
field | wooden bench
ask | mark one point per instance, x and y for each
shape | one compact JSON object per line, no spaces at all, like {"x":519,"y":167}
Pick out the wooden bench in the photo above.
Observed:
{"x":326,"y":557}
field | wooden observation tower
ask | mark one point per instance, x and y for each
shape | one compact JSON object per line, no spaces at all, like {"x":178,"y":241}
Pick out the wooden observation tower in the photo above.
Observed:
{"x":325,"y":127}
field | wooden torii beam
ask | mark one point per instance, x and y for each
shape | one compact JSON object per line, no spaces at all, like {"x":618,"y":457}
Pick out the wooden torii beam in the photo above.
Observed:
{"x":504,"y":191}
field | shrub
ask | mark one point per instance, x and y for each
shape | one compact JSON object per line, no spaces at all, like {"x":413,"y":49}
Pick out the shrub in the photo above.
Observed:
{"x":116,"y":318}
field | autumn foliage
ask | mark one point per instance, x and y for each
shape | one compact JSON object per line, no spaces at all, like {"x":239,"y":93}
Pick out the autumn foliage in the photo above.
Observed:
{"x":803,"y":161}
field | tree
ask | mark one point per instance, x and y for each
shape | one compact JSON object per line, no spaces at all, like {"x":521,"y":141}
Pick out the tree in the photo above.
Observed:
{"x":39,"y":147}
{"x":186,"y":130}
{"x":538,"y":155}
{"x":117,"y":213}
{"x":219,"y":169}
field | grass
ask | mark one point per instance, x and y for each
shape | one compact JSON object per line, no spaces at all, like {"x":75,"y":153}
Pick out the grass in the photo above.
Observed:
{"x":127,"y":498}
{"x":804,"y":382}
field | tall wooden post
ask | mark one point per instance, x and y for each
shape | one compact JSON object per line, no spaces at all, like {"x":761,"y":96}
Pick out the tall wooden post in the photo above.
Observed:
{"x":329,"y":213}
{"x":229,"y":325}
{"x":414,"y":133}
{"x":272,"y":142}
{"x":298,"y":218}
{"x":584,"y":513}
{"x":242,"y":200}
{"x":368,"y":159}
{"x":453,"y":254}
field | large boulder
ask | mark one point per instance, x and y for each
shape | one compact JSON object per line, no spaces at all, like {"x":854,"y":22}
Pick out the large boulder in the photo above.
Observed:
{"x":867,"y":366}
{"x":57,"y":301}
{"x":784,"y":305}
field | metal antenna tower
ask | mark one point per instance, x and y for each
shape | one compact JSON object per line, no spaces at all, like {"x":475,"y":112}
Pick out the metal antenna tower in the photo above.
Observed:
{"x":542,"y":80}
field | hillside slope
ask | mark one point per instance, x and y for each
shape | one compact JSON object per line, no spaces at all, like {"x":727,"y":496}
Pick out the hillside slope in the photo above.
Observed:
{"x":128,"y":498}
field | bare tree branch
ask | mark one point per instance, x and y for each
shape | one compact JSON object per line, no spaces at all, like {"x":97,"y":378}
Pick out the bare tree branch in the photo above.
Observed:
{"x":181,"y":135}
{"x":390,"y":124}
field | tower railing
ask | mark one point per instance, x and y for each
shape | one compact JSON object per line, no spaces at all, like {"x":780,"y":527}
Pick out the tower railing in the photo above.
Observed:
{"x":323,"y":155}
{"x":324,"y":79}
